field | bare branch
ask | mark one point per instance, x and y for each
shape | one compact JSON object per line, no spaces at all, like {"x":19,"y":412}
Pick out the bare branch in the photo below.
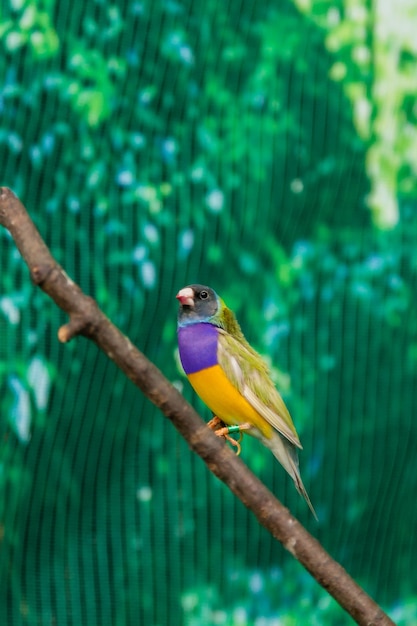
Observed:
{"x":85,"y":318}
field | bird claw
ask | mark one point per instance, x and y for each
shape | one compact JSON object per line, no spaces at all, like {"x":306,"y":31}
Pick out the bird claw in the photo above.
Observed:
{"x":221,"y":430}
{"x":234,"y":442}
{"x":215,"y":423}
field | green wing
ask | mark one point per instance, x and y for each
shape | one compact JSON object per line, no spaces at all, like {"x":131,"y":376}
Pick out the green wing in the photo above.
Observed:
{"x":248,"y":372}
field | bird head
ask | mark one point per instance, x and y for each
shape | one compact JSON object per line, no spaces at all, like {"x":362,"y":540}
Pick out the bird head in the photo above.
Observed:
{"x":198,"y":303}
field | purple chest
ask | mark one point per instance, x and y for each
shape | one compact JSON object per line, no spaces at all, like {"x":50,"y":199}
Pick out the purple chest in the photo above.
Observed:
{"x":198,"y":346}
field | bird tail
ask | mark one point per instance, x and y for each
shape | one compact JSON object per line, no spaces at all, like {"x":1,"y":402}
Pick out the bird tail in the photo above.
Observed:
{"x":286,"y":454}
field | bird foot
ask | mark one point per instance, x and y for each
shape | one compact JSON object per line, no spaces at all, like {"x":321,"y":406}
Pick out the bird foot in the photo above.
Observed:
{"x":215,"y":423}
{"x":221,"y":430}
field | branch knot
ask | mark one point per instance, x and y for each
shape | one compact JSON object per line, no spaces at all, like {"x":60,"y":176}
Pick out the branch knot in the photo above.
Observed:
{"x":40,"y":273}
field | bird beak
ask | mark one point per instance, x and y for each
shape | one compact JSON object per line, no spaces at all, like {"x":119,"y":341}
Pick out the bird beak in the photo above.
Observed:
{"x":186,"y":296}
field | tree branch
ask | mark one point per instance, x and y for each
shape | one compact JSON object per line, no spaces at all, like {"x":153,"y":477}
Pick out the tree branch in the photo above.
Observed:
{"x":85,"y":318}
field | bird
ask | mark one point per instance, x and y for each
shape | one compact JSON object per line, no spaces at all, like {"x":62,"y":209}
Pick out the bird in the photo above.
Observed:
{"x":232,"y":379}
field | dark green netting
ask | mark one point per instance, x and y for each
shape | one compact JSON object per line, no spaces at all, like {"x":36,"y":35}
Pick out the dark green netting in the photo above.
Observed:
{"x":158,"y":143}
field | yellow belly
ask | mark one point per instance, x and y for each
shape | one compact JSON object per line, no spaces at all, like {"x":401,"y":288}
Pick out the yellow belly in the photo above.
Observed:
{"x":215,"y":389}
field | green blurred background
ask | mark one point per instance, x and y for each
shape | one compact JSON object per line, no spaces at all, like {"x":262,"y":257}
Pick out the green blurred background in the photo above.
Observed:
{"x":268,"y":149}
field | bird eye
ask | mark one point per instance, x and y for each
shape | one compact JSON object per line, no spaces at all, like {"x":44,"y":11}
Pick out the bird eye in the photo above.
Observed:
{"x":203,"y":295}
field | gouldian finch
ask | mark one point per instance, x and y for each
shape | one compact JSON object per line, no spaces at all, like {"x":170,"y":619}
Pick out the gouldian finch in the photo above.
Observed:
{"x":232,"y":379}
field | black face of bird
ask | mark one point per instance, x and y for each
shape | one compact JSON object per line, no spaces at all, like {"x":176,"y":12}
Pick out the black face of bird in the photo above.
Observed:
{"x":197,"y":302}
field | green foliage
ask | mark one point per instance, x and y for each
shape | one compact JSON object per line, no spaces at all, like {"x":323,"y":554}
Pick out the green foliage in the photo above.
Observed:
{"x":29,"y":26}
{"x":258,"y":598}
{"x":375,"y":55}
{"x":278,"y":597}
{"x":236,"y":144}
